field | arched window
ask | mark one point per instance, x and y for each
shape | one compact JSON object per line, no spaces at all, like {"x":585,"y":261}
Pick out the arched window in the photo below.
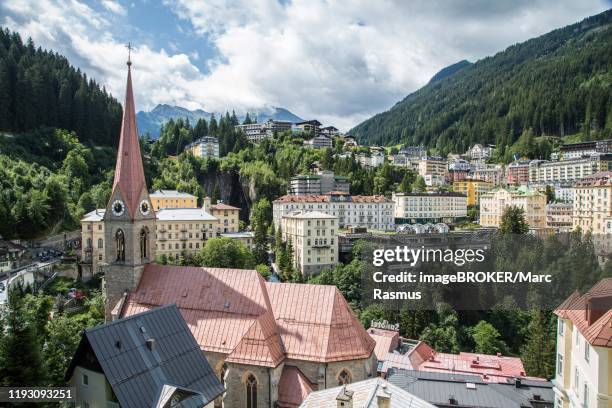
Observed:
{"x":144,"y":241}
{"x":120,"y":244}
{"x":100,"y":243}
{"x":344,"y":377}
{"x":251,"y":391}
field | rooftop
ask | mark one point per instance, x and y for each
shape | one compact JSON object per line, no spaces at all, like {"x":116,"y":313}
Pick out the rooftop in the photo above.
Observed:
{"x":591,"y":313}
{"x":170,"y":194}
{"x":95,"y":215}
{"x":310,"y":215}
{"x":184,"y":214}
{"x":223,"y":206}
{"x":321,"y":198}
{"x":147,"y":357}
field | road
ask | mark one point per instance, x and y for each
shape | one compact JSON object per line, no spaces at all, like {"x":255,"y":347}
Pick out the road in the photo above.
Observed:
{"x":26,"y":274}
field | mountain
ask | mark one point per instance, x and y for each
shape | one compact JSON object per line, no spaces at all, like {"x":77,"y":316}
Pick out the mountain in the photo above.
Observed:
{"x":557,"y":84}
{"x":450,"y":70}
{"x":151,"y":121}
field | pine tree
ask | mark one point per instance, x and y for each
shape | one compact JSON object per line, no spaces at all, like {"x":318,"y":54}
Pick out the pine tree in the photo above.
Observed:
{"x":513,"y":221}
{"x":538,"y":353}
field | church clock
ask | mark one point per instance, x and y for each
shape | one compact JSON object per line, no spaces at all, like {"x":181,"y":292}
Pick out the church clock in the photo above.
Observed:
{"x":145,"y":208}
{"x":118,"y":208}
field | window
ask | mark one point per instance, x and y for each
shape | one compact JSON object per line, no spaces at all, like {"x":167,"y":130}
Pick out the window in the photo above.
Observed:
{"x":100,"y":243}
{"x":559,"y":364}
{"x":85,"y":380}
{"x":251,"y":391}
{"x":561,"y":327}
{"x":585,"y":397}
{"x":344,"y":377}
{"x":144,"y":238}
{"x":576,"y":378}
{"x":120,"y":245}
{"x":587,"y":351}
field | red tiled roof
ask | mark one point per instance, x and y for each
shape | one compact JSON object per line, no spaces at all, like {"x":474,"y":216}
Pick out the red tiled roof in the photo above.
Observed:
{"x":293,"y":387}
{"x":323,"y":198}
{"x":129,"y":173}
{"x":386,"y":341}
{"x":317,"y":324}
{"x":603,"y":178}
{"x":223,"y":206}
{"x":574,"y":308}
{"x":235,"y":312}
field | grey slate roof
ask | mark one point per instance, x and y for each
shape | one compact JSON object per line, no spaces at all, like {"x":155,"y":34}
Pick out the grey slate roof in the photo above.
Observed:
{"x":139,"y":376}
{"x":439,"y":388}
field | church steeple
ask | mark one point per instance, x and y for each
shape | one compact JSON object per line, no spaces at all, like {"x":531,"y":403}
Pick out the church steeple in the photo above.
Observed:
{"x":129,"y":221}
{"x":129,"y":173}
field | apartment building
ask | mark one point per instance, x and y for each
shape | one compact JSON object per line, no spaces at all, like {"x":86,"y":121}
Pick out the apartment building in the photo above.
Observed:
{"x":583,"y":376}
{"x":473,"y":189}
{"x":592,"y":205}
{"x":372,"y":212}
{"x":559,"y":216}
{"x":314,"y":236}
{"x":330,"y":131}
{"x":256,"y":132}
{"x":458,"y":169}
{"x":205,"y":147}
{"x":92,"y":240}
{"x":581,"y":149}
{"x":228,"y":216}
{"x":494,"y":202}
{"x":323,"y":182}
{"x":313,"y":126}
{"x":479,"y":151}
{"x":429,"y":207}
{"x":433,"y":166}
{"x":548,"y":172}
{"x":172,"y":199}
{"x":518,"y":172}
{"x":491,"y":173}
{"x":371,"y":160}
{"x":413,"y":152}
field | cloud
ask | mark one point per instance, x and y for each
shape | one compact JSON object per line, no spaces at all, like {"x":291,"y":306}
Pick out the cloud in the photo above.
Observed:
{"x":114,"y":7}
{"x":338,"y":61}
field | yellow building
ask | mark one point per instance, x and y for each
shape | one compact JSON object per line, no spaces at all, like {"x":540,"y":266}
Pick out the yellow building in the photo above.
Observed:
{"x":204,"y":147}
{"x":583,"y":375}
{"x":494,"y":202}
{"x":473,"y":189}
{"x":593,"y":203}
{"x":228,"y":216}
{"x":435,"y":167}
{"x":172,"y":199}
{"x":313,"y":235}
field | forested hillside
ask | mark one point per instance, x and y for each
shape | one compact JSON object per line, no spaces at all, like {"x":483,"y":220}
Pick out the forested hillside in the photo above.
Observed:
{"x":40,"y":88}
{"x":556,"y":84}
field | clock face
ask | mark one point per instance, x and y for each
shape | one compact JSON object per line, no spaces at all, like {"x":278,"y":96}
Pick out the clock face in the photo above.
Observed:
{"x":118,"y":208}
{"x":145,"y":208}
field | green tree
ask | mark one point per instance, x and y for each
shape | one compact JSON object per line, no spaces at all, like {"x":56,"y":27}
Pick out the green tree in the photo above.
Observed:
{"x":226,"y":253}
{"x":538,"y":353}
{"x":487,"y":339}
{"x":64,"y":336}
{"x":513,"y":221}
{"x":419,"y":184}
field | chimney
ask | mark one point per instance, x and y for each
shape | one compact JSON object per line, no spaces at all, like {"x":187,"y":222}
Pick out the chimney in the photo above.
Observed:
{"x":150,"y":344}
{"x":517,"y":382}
{"x":383,"y":397}
{"x":345,"y":398}
{"x":206,"y":205}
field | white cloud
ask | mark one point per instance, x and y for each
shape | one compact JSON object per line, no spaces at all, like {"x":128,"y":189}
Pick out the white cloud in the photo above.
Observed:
{"x":339,"y":61}
{"x":114,"y":7}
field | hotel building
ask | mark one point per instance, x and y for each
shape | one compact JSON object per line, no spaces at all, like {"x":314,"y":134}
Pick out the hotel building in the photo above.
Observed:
{"x":583,"y":376}
{"x":172,"y":199}
{"x":314,"y":236}
{"x":437,"y":167}
{"x":492,"y":173}
{"x":518,"y":172}
{"x":582,"y":149}
{"x":256,"y":132}
{"x":559,"y":216}
{"x":549,"y":172}
{"x":593,"y":203}
{"x":429,"y":207}
{"x":372,"y":212}
{"x":493,"y":204}
{"x":479,"y":151}
{"x":324,"y":182}
{"x":473,"y":189}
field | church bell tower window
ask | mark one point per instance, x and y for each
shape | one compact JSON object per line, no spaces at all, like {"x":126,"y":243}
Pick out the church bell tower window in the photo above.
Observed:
{"x":144,"y":238}
{"x":120,"y":243}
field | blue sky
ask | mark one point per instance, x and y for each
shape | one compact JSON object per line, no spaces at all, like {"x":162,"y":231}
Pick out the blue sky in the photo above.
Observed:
{"x":339,"y":61}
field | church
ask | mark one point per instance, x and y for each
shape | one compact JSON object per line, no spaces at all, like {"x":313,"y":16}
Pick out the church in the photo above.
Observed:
{"x":270,"y":344}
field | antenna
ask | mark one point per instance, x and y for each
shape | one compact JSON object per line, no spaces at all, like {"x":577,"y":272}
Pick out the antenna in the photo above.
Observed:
{"x":130,"y":48}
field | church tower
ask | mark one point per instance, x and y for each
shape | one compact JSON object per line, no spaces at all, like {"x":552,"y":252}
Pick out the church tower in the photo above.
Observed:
{"x":129,"y":221}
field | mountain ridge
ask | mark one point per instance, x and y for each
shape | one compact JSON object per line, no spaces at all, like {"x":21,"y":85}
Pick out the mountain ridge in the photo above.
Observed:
{"x":555,"y":84}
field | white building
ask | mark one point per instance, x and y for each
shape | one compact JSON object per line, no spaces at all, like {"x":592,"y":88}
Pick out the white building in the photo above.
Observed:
{"x":372,"y":160}
{"x":430,"y":207}
{"x":479,"y":151}
{"x":372,"y":212}
{"x":205,"y":147}
{"x":548,"y":172}
{"x":314,"y":238}
{"x":583,"y":376}
{"x":323,"y":182}
{"x":256,"y":132}
{"x":319,"y":142}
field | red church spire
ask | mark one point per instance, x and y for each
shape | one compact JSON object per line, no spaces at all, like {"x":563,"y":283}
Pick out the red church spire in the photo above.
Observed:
{"x":129,"y":173}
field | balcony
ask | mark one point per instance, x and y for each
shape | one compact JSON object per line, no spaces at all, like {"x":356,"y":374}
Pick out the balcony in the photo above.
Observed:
{"x":184,"y":238}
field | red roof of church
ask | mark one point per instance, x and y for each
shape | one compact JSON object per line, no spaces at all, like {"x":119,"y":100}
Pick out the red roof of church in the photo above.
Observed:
{"x":593,"y":322}
{"x":293,"y":387}
{"x":129,"y":173}
{"x":235,"y":312}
